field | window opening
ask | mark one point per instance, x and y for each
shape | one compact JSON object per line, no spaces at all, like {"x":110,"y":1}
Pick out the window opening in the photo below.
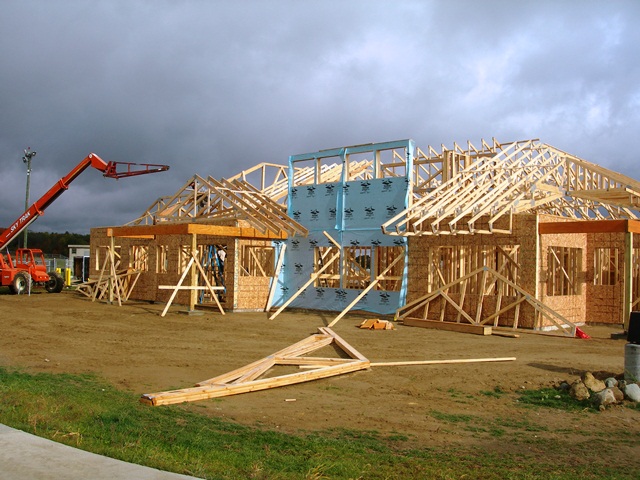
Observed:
{"x":330,"y":276}
{"x":257,"y":261}
{"x":162,"y":262}
{"x":564,"y":266}
{"x":138,"y":257}
{"x":606,"y":271}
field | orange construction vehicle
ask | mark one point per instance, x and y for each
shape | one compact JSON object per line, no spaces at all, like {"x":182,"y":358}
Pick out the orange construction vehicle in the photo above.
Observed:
{"x":28,"y":267}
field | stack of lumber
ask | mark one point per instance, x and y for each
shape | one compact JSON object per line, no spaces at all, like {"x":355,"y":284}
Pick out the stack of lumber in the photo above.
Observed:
{"x":376,"y":324}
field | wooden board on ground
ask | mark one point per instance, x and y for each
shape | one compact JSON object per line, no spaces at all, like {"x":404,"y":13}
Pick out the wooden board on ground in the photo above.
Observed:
{"x":454,"y":327}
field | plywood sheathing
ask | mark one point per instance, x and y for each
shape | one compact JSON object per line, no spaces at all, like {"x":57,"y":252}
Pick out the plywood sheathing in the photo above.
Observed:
{"x":572,"y":307}
{"x":604,"y":300}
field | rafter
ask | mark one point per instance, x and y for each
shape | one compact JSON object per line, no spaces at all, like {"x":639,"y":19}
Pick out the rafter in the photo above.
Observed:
{"x":456,"y":189}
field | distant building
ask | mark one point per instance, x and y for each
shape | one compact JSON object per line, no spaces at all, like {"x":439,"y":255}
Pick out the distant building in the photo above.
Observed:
{"x":79,"y":262}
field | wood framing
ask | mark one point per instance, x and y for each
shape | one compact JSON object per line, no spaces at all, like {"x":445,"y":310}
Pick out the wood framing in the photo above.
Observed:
{"x":453,"y":327}
{"x":214,"y":200}
{"x":193,"y":288}
{"x":519,"y":234}
{"x":248,"y":378}
{"x":504,"y":179}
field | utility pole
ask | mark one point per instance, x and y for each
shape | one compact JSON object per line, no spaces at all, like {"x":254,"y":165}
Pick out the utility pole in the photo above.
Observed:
{"x":28,"y":155}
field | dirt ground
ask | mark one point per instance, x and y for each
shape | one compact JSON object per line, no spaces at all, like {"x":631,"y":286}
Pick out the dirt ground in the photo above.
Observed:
{"x":429,"y":406}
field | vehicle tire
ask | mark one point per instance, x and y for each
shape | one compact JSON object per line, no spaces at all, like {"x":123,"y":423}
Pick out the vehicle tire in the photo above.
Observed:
{"x":21,"y":283}
{"x":55,"y":283}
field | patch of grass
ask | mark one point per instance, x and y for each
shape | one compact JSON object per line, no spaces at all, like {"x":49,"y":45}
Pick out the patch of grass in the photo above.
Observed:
{"x":85,"y":411}
{"x":397,"y":437}
{"x":497,"y":392}
{"x":450,"y":417}
{"x":552,"y":398}
{"x":460,"y":397}
{"x":523,"y":425}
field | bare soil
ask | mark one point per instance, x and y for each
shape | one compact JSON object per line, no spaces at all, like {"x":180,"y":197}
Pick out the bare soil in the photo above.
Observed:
{"x":436,"y":406}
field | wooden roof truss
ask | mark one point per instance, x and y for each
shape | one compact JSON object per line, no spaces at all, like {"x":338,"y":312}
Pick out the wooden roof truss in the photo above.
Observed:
{"x":209,"y":200}
{"x":469,"y":191}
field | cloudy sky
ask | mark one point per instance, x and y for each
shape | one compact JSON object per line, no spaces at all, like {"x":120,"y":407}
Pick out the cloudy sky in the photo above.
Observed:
{"x":214,"y":87}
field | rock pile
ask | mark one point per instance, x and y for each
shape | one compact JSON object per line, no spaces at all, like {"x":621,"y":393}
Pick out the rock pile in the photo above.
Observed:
{"x":609,"y":391}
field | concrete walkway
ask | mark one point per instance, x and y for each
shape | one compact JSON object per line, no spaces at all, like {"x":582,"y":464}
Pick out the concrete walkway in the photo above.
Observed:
{"x":27,"y":457}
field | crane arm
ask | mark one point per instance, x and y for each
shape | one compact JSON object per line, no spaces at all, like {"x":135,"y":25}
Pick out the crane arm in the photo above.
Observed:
{"x":92,"y":160}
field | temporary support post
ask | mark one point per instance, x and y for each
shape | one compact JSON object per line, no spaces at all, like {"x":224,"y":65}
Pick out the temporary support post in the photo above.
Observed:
{"x":193,"y":297}
{"x":112,"y":276}
{"x":628,"y":278}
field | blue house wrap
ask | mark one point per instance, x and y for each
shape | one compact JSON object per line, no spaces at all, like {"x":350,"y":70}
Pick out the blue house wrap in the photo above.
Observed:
{"x":352,"y":213}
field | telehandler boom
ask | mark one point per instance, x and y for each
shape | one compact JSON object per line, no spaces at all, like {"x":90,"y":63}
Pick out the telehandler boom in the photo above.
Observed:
{"x":29,"y":266}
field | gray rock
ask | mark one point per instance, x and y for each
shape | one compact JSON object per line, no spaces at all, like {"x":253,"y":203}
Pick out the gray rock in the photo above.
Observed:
{"x":579,"y":391}
{"x":611,"y":382}
{"x":564,"y":386}
{"x":592,"y":383}
{"x":632,"y":391}
{"x":603,"y":398}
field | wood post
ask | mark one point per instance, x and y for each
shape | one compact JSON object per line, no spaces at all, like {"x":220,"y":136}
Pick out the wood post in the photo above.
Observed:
{"x":628,"y":279}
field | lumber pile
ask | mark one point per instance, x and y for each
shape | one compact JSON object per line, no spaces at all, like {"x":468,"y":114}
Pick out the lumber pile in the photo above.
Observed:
{"x":376,"y":324}
{"x":116,"y":286}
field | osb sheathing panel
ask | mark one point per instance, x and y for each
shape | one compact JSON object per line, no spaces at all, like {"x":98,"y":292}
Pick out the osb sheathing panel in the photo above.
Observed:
{"x":523,"y":234}
{"x":252,"y":292}
{"x":572,"y":307}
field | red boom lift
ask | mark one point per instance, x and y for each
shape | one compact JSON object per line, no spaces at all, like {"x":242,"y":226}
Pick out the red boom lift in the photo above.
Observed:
{"x":29,"y":266}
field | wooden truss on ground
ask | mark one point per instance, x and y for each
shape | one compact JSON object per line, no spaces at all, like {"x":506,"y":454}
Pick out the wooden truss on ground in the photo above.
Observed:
{"x":248,"y":378}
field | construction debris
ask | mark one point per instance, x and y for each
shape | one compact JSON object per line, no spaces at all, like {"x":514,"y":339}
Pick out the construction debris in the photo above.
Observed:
{"x":377,"y":324}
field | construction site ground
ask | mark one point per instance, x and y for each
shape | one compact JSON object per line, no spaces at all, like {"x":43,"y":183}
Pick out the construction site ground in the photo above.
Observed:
{"x":432,"y":406}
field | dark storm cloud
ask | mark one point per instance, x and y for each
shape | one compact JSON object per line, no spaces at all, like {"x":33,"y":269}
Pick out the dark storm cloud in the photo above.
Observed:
{"x":216,"y":87}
